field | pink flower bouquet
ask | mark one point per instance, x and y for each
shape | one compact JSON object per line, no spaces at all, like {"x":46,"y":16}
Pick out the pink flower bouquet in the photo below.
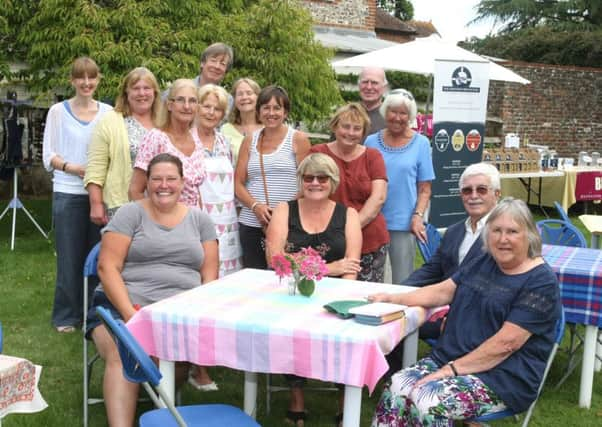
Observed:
{"x":305,"y":267}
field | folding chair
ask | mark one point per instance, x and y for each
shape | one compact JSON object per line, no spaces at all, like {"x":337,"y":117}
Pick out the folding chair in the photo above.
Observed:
{"x":563,"y":233}
{"x":139,"y":368}
{"x":507,"y":412}
{"x":433,"y":239}
{"x":561,"y":212}
{"x":90,"y":270}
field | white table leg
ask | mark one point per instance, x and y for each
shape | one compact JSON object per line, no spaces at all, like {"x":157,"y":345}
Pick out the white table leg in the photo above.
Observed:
{"x":587,"y":367}
{"x":410,"y":349}
{"x":168,"y":382}
{"x":353,"y":406}
{"x":250,"y":400}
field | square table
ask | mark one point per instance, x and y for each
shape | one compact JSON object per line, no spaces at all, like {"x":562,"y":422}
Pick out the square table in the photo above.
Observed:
{"x":247,"y":321}
{"x":19,"y":386}
{"x":593,"y":223}
{"x":579,"y":272}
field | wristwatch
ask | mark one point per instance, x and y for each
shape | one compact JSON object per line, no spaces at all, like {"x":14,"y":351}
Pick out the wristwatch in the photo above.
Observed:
{"x":420,"y":214}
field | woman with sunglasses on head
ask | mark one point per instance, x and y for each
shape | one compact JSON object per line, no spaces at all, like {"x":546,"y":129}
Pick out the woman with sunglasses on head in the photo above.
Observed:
{"x":266,"y":171}
{"x":315,"y":221}
{"x":67,"y":133}
{"x":407,"y":156}
{"x":243,"y":118}
{"x":363,"y":185}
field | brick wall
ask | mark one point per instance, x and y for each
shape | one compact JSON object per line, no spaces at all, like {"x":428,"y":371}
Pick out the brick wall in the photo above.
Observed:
{"x":561,"y":107}
{"x":355,"y":14}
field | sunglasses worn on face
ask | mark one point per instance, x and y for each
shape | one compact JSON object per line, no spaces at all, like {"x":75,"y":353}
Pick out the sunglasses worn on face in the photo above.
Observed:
{"x":481,"y":190}
{"x":322,"y":179}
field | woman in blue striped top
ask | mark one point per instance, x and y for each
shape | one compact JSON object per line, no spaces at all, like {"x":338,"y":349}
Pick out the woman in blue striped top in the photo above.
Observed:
{"x":266,"y":171}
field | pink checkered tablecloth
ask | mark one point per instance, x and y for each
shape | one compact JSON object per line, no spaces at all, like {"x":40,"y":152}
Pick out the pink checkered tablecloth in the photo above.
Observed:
{"x":19,"y":386}
{"x":247,"y":321}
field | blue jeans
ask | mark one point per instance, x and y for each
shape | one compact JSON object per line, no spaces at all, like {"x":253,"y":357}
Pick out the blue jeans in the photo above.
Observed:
{"x":75,"y":235}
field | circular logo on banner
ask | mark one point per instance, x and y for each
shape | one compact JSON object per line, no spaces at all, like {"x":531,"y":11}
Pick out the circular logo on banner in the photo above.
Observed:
{"x":473,"y":140}
{"x":441,"y":140}
{"x":461,"y":77}
{"x":458,"y":140}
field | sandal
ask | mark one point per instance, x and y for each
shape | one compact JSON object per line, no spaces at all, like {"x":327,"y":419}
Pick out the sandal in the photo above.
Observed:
{"x":212,"y":386}
{"x":65,"y":329}
{"x":296,"y":418}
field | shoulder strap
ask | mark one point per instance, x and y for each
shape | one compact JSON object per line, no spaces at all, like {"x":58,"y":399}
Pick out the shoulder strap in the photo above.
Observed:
{"x":265,"y":184}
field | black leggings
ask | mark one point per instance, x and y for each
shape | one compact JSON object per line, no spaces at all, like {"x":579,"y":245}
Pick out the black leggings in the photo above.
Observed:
{"x":252,"y":241}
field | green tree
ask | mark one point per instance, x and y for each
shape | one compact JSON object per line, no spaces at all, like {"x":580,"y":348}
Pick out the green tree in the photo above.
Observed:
{"x":401,"y":9}
{"x":565,"y":32}
{"x":273,"y":42}
{"x":560,"y":14}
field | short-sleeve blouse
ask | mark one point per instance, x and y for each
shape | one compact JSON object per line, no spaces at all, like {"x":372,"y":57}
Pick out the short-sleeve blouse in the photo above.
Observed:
{"x":485,"y":298}
{"x":157,"y":142}
{"x":355,"y":187}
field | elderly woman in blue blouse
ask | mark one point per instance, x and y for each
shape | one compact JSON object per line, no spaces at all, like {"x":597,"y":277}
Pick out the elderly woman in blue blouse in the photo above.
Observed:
{"x":500,"y":329}
{"x":409,"y":164}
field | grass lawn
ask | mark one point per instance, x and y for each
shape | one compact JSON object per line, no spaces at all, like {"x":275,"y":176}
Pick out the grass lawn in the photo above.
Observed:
{"x":26,"y":294}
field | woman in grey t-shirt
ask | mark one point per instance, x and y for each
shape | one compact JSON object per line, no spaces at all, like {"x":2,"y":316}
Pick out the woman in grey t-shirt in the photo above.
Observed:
{"x":152,"y":249}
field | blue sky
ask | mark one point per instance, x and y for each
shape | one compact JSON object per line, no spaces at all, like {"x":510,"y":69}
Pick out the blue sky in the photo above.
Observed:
{"x":450,"y":17}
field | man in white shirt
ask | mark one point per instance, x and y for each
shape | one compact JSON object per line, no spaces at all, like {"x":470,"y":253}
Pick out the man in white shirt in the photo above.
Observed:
{"x":480,"y":191}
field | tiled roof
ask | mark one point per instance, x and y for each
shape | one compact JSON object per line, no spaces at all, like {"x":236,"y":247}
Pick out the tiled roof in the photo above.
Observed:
{"x":385,"y":21}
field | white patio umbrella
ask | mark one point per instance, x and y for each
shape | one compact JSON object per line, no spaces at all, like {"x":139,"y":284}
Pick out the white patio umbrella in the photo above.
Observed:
{"x":419,"y":57}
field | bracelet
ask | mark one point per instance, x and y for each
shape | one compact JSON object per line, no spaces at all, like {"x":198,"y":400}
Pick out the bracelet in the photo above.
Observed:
{"x":64,"y":166}
{"x":420,"y":214}
{"x":453,"y":368}
{"x":253,"y":206}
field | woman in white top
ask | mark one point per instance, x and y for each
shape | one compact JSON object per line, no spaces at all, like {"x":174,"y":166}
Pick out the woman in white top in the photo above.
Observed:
{"x":67,"y":133}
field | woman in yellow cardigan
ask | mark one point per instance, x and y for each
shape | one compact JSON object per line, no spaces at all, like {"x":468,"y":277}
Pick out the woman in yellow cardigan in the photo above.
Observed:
{"x":115,"y":140}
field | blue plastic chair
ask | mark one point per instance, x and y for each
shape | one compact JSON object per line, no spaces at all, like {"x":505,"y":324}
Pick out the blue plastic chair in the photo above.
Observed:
{"x":561,"y":212}
{"x":433,"y":239}
{"x":561,"y":233}
{"x":139,"y":368}
{"x":90,"y":270}
{"x":564,"y":233}
{"x":507,"y":412}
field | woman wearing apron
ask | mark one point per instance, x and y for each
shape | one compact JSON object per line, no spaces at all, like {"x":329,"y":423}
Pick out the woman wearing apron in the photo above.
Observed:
{"x":217,"y":190}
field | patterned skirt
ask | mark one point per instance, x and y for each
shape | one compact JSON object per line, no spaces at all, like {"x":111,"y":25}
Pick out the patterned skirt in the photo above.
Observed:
{"x":436,"y":403}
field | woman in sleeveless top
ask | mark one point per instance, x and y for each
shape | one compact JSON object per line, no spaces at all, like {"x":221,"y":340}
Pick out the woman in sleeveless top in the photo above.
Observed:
{"x":328,"y":227}
{"x":265,"y":172}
